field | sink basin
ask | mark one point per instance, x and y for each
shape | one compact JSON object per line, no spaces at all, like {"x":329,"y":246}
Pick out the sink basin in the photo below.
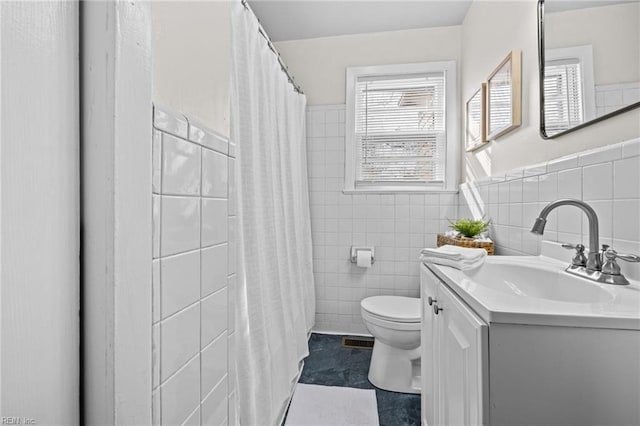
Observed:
{"x":525,"y":280}
{"x":537,"y":290}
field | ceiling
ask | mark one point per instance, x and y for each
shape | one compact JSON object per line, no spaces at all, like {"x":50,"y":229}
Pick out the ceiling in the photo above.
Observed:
{"x":300,"y":19}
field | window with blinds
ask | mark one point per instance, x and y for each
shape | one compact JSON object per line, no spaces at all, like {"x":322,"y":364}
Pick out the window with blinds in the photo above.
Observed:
{"x":400,"y":128}
{"x":563,"y":95}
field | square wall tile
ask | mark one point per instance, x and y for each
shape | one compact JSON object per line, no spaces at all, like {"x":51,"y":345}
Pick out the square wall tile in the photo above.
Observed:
{"x":214,"y":222}
{"x":180,"y":340}
{"x":570,"y":184}
{"x":232,"y":186}
{"x":180,"y":166}
{"x":214,"y":316}
{"x":157,"y":161}
{"x":180,"y":230}
{"x":181,"y":394}
{"x":600,"y":155}
{"x":214,"y":269}
{"x":563,"y":163}
{"x":332,"y":116}
{"x":180,"y":282}
{"x":570,"y":220}
{"x":214,"y":363}
{"x":515,"y":214}
{"x":604,"y":211}
{"x":156,"y":419}
{"x":631,"y":148}
{"x":503,"y":192}
{"x":548,"y":187}
{"x":156,"y":220}
{"x":199,"y":134}
{"x":627,"y":178}
{"x":155,"y":289}
{"x":194,"y":418}
{"x":515,"y":191}
{"x":598,"y":182}
{"x":214,"y":406}
{"x":530,"y":189}
{"x":155,"y":356}
{"x":626,"y":225}
{"x":170,"y":122}
{"x":215,"y":174}
{"x":494,"y":193}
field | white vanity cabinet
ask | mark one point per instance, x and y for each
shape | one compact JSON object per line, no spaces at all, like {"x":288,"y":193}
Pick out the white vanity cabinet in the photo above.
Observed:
{"x":454,"y":358}
{"x":496,"y":368}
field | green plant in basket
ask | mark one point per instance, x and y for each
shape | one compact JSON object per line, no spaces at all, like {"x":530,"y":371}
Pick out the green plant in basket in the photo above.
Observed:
{"x":470,"y":228}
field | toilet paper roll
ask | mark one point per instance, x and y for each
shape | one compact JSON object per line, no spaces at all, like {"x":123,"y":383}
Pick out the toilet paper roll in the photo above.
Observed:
{"x":364,"y":259}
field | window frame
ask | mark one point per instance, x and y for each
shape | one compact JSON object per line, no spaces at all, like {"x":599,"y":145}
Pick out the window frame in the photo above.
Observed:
{"x":452,"y":142}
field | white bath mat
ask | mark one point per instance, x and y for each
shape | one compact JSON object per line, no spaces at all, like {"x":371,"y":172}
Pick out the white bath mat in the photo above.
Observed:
{"x":315,"y":405}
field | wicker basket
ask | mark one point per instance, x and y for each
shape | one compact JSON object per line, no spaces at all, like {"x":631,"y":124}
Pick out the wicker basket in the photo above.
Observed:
{"x":466,"y":242}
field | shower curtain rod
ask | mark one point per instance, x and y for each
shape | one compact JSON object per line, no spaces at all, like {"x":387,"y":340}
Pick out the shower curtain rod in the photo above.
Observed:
{"x":263,"y":33}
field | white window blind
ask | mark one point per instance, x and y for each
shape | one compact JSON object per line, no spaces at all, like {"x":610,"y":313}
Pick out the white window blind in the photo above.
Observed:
{"x":563,"y":95}
{"x":400,"y":128}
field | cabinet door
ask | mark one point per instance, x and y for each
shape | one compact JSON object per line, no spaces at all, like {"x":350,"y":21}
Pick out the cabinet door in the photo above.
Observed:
{"x":462,"y":358}
{"x":429,"y":285}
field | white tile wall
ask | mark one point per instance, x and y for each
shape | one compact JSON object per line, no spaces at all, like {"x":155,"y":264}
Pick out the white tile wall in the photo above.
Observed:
{"x":397,"y":225}
{"x":608,"y":179}
{"x":193,"y":274}
{"x":611,"y":97}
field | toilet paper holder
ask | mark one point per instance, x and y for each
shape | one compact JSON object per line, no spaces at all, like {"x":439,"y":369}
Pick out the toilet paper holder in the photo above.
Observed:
{"x":355,"y":250}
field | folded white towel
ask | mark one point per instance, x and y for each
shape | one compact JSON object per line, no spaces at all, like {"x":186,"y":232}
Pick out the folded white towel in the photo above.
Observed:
{"x":462,"y":258}
{"x":455,"y":252}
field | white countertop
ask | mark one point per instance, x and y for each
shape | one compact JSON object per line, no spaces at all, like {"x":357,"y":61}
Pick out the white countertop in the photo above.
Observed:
{"x":602,"y":306}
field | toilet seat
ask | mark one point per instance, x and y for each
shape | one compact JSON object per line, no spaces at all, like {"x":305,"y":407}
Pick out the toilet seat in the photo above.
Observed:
{"x":392,"y":309}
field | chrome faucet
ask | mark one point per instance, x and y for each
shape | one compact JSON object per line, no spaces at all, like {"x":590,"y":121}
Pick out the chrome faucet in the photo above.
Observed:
{"x":592,"y":267}
{"x":594,"y":258}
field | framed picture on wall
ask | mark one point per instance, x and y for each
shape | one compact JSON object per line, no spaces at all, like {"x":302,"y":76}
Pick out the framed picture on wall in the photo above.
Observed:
{"x":504,"y":96}
{"x":476,"y":122}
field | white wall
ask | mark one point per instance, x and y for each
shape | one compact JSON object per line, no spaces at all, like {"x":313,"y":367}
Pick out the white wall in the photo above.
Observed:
{"x":194,"y":218}
{"x":39,"y":205}
{"x":318,"y":65}
{"x":490,"y":30}
{"x":192,"y":60}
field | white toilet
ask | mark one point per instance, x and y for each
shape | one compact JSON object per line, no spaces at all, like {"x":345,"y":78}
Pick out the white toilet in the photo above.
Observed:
{"x":394,"y":322}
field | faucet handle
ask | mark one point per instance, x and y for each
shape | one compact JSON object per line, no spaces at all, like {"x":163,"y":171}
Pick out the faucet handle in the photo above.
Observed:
{"x":577,"y":247}
{"x":610,"y":266}
{"x":579,"y":259}
{"x":611,"y":254}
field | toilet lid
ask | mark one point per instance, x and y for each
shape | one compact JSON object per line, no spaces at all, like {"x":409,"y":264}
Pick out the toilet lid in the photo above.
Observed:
{"x":393,"y":308}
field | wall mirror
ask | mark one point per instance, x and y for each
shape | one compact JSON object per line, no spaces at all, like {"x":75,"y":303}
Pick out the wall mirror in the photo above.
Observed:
{"x":504,"y":97}
{"x":589,"y":62}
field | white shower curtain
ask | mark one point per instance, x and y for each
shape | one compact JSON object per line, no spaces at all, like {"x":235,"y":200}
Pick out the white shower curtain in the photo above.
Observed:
{"x":275,"y":296}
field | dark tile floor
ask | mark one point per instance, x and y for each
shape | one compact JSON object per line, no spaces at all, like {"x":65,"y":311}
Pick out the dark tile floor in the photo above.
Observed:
{"x":330,"y":364}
